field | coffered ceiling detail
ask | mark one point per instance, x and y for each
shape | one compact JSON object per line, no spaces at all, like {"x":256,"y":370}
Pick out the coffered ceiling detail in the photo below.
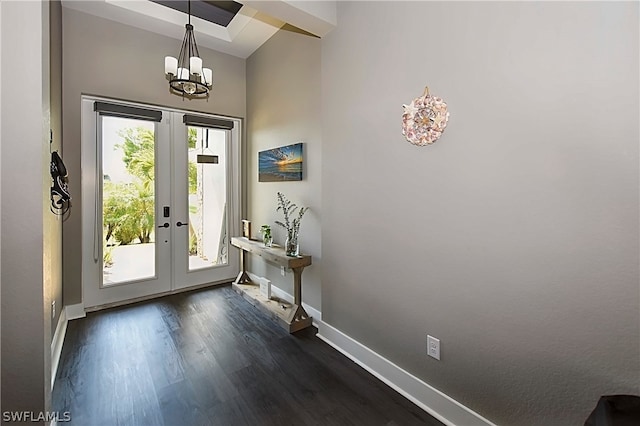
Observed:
{"x":253,"y":24}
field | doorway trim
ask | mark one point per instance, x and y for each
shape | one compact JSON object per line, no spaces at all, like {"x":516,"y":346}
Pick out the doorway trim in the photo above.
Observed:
{"x":90,"y":190}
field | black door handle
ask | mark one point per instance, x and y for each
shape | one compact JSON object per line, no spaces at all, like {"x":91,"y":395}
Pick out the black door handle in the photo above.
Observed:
{"x":165,"y":225}
{"x":182,"y":224}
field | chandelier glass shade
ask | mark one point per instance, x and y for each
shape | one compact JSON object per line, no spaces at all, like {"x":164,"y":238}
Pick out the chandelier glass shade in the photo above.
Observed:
{"x":186,"y":75}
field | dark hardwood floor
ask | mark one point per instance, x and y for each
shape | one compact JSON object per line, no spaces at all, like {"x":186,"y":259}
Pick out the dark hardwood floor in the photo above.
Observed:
{"x":208,"y":357}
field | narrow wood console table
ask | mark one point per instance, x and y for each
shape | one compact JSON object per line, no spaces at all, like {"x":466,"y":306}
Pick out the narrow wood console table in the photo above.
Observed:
{"x":292,"y":317}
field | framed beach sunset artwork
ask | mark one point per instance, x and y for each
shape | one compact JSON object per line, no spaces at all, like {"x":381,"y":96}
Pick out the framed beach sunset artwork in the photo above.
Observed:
{"x":280,"y":164}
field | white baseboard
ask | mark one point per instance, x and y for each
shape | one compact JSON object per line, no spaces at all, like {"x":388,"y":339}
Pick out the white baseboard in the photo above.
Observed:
{"x":75,"y":311}
{"x":70,"y":312}
{"x":56,"y":344}
{"x":278,"y":292}
{"x":431,"y":400}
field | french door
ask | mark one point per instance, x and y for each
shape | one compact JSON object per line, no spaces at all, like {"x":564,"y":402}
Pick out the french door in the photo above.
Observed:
{"x":160,"y":194}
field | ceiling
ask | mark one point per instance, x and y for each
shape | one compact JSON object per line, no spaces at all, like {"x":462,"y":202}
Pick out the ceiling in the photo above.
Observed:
{"x":214,"y":11}
{"x":253,"y":24}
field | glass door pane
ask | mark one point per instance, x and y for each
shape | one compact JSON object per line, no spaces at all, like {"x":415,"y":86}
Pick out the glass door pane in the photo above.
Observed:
{"x":158,"y":201}
{"x":207,"y":199}
{"x":128,"y":200}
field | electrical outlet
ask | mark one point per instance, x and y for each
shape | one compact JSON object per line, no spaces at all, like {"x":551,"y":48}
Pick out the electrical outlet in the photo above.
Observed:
{"x":283,"y":271}
{"x":53,"y":309}
{"x":433,"y":347}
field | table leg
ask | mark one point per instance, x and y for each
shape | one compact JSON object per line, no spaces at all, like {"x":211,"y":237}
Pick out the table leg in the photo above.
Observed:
{"x":243,"y":277}
{"x":301,"y":318}
{"x":297,"y":286}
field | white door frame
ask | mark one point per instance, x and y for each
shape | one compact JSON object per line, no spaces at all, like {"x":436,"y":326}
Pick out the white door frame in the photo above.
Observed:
{"x":183,"y":278}
{"x":166,"y":281}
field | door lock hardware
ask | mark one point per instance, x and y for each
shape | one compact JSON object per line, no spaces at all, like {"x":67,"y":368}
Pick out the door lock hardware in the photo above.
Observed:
{"x":164,"y":225}
{"x":182,"y":223}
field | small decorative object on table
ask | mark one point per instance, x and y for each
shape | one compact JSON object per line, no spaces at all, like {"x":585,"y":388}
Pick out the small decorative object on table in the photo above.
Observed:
{"x":292,"y":226}
{"x":424,"y":119}
{"x":265,"y":230}
{"x":246,"y":228}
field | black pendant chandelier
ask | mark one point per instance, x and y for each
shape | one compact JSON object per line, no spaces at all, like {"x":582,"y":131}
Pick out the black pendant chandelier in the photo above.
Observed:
{"x":186,"y":75}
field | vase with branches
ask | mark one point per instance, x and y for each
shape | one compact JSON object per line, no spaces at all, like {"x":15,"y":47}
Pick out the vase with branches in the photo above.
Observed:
{"x":291,"y":223}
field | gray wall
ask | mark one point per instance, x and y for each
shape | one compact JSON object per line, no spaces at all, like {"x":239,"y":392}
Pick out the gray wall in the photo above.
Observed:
{"x":513,"y":239}
{"x":26,"y":242}
{"x":105,"y":58}
{"x":53,"y":224}
{"x":283,"y":107}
